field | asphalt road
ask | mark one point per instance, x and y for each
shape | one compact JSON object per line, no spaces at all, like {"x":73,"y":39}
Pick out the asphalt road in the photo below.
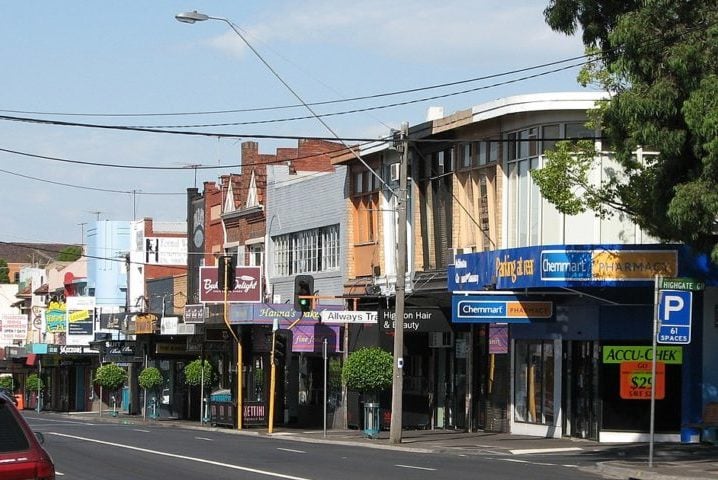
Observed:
{"x":111,"y":451}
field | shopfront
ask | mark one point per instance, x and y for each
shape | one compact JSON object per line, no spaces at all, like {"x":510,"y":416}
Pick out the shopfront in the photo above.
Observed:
{"x":579,"y":323}
{"x":299,"y":349}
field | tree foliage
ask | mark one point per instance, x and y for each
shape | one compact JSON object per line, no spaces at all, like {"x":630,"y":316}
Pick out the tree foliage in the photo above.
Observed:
{"x":70,"y":254}
{"x":110,"y":376}
{"x":4,"y":271}
{"x":193,"y":373}
{"x":33,"y":383}
{"x":7,"y":383}
{"x":368,"y":370}
{"x":150,"y":378}
{"x":659,"y":61}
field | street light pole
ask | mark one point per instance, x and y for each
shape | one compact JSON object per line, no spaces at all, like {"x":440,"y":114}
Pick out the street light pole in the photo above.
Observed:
{"x":398,"y":372}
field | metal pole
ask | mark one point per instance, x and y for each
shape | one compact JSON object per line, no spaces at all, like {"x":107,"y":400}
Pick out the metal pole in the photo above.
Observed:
{"x":144,"y":410}
{"x":273,"y":376}
{"x":39,"y":383}
{"x":201,"y":392}
{"x":325,"y":387}
{"x":398,"y":383}
{"x":656,"y":293}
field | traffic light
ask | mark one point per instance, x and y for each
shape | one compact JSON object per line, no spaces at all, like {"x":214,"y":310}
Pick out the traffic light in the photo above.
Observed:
{"x":303,"y":286}
{"x":283,"y":345}
{"x":225,"y":271}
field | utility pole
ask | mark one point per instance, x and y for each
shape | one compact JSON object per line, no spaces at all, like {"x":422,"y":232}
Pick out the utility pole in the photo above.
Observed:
{"x":398,"y":384}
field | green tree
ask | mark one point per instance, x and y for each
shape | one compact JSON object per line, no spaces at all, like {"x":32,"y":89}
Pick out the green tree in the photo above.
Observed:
{"x":4,"y":271}
{"x":193,"y":373}
{"x":368,"y":370}
{"x":70,"y":254}
{"x":7,"y":383}
{"x":659,"y":61}
{"x":33,"y":383}
{"x":150,"y":378}
{"x":110,"y":376}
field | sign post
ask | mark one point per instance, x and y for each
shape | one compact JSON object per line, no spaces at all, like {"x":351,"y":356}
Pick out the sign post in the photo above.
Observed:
{"x":672,"y":314}
{"x":657,"y":282}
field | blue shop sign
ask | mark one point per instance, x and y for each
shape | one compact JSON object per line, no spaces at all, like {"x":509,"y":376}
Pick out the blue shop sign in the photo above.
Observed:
{"x":563,"y":266}
{"x":498,"y":309}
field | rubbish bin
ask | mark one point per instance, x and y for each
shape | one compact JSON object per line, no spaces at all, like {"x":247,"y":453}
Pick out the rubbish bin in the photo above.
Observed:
{"x":221,"y":408}
{"x":371,"y":419}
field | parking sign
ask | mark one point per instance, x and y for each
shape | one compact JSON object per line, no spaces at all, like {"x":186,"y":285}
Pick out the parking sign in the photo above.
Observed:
{"x":674,"y":314}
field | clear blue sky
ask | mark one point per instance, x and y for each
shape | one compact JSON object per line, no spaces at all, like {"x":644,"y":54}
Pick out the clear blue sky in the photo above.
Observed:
{"x":133,"y":57}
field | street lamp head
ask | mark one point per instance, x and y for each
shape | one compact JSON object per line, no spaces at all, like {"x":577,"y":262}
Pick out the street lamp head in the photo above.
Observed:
{"x":191,"y":17}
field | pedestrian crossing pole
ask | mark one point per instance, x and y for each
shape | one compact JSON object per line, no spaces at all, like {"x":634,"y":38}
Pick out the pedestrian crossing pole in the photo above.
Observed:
{"x":273,"y":375}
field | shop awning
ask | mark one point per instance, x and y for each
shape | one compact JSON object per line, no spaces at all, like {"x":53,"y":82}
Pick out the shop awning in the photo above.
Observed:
{"x":31,"y":359}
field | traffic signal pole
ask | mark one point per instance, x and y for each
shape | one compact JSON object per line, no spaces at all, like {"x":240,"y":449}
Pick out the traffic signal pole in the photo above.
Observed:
{"x":273,"y":376}
{"x":226,"y":276}
{"x":398,"y":383}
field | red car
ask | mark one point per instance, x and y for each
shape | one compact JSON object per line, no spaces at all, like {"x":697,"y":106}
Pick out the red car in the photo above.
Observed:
{"x":21,"y":454}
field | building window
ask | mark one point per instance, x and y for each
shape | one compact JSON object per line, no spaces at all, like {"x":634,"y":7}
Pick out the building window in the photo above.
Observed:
{"x":466,"y":154}
{"x":524,"y":196}
{"x":308,"y":251}
{"x":255,"y":254}
{"x":364,"y":181}
{"x":366,"y":208}
{"x":533,"y":382}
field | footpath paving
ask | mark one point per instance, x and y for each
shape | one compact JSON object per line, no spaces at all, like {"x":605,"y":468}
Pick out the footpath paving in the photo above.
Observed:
{"x":671,"y":461}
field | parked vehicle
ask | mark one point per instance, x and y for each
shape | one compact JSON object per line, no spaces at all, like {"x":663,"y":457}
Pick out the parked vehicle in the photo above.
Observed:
{"x":8,"y":394}
{"x":22,"y":456}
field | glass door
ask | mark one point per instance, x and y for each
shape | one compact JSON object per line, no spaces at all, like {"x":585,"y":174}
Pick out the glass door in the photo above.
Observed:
{"x":580,"y":396}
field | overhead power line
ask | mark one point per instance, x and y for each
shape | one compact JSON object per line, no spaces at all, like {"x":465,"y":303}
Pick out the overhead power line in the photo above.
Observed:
{"x":313,"y":104}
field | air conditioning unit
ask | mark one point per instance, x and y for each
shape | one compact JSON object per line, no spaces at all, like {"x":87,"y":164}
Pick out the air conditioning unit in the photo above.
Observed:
{"x":394,"y":172}
{"x":440,"y":340}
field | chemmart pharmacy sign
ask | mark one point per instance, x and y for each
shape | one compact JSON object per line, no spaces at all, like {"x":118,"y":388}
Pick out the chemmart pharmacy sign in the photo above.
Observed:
{"x":562,"y":266}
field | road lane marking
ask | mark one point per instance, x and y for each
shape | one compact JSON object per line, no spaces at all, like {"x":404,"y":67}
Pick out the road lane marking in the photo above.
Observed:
{"x":140,"y":430}
{"x":526,"y":451}
{"x":59,"y":474}
{"x":181,"y":457}
{"x":291,"y":450}
{"x":416,"y":468}
{"x":204,"y":438}
{"x":514,"y":460}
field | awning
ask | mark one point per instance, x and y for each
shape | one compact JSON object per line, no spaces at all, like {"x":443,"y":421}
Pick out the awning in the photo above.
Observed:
{"x":31,"y":359}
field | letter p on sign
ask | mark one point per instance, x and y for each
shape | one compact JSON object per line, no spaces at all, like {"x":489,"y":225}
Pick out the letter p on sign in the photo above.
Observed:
{"x":675,"y":307}
{"x":672,"y":304}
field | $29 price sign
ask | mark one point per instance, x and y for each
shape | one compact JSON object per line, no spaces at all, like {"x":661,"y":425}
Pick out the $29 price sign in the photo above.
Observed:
{"x":636,"y":380}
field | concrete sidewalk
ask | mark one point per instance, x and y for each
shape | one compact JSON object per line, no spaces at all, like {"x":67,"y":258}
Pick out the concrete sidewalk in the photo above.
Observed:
{"x":671,"y":461}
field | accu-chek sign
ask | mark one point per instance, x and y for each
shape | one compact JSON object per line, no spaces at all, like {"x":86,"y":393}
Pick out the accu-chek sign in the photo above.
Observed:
{"x":620,"y":354}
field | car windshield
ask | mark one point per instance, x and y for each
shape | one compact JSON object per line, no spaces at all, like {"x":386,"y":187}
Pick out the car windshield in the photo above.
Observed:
{"x":12,"y":436}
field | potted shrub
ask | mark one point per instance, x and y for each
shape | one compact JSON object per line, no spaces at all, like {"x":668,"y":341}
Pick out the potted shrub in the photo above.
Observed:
{"x":33,"y":385}
{"x":6,"y":383}
{"x":111,"y":377}
{"x":195,"y":372}
{"x":369,"y":371}
{"x":150,"y":379}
